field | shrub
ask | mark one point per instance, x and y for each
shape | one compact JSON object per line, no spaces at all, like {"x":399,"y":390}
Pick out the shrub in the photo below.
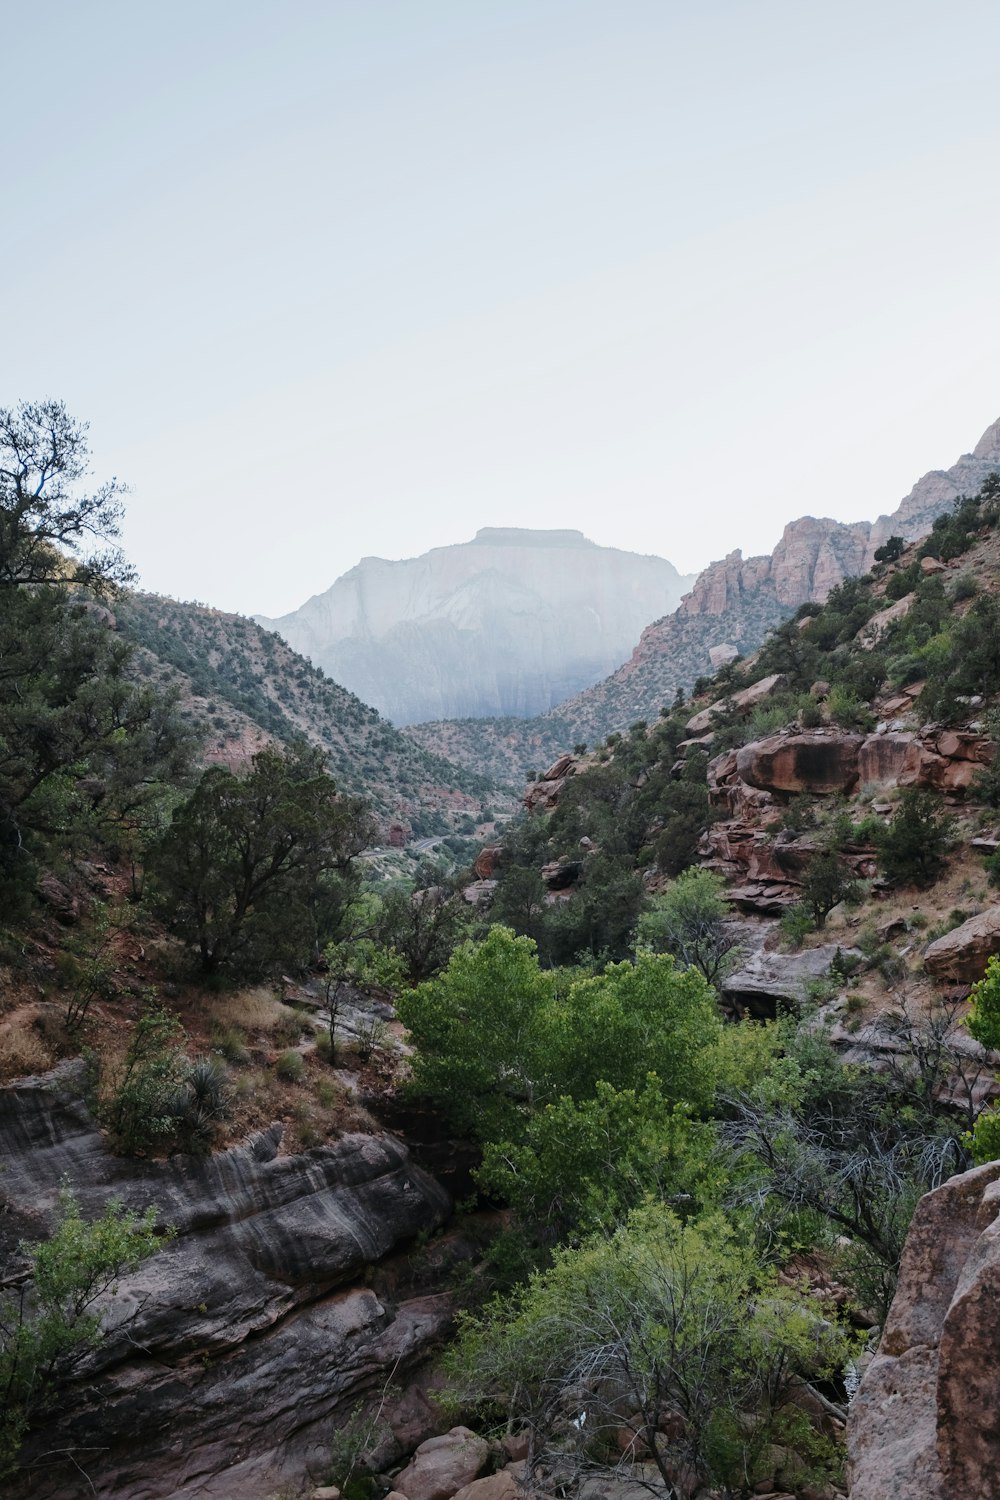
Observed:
{"x":290,"y":1066}
{"x":796,"y":924}
{"x":42,"y":1340}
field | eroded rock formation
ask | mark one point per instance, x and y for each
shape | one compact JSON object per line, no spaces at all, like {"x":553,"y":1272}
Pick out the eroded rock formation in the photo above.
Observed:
{"x":231,"y":1350}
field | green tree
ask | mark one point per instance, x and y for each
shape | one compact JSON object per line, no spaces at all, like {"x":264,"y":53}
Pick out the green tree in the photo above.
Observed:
{"x":691,"y":920}
{"x":585,"y":1164}
{"x":826,"y":881}
{"x":49,"y":1326}
{"x":47,"y":525}
{"x":238,"y":866}
{"x":632,"y":1020}
{"x":478,"y":1029}
{"x":914,"y":847}
{"x":983,"y":1021}
{"x":891,"y":550}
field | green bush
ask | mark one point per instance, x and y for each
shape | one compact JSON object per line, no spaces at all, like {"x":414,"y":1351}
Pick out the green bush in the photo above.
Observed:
{"x":913,"y":848}
{"x":44,"y":1337}
{"x":290,"y":1066}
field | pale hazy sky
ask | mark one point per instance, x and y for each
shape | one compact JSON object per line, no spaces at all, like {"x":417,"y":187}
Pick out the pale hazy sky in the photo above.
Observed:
{"x":361,"y":276}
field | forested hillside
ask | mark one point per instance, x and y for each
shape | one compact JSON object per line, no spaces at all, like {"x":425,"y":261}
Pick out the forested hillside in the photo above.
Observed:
{"x":244,"y":686}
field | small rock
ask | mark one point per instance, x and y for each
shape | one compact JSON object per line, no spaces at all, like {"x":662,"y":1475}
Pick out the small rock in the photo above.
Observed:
{"x":326,"y":1492}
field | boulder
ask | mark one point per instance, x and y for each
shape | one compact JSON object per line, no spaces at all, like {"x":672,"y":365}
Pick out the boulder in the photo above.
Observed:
{"x":502,"y":1486}
{"x":821,"y":761}
{"x":722,"y":655}
{"x":741,"y":701}
{"x":487,"y":861}
{"x":962,"y":954}
{"x":924,"y":1425}
{"x":443,"y":1465}
{"x":479,"y":892}
{"x":931,"y":565}
{"x":871,"y":634}
{"x":883,"y":758}
{"x":564,"y":766}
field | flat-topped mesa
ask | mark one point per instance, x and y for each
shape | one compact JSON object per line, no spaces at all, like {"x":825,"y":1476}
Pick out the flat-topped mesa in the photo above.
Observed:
{"x":523,"y":536}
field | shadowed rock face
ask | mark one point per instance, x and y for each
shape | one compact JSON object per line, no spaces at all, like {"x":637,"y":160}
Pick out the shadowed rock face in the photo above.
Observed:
{"x":821,"y":762}
{"x":510,"y":623}
{"x":924,"y":1424}
{"x":230,"y":1345}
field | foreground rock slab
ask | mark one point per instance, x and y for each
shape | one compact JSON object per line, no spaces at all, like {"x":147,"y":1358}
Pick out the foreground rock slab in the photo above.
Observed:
{"x":925,"y":1423}
{"x":230,"y":1353}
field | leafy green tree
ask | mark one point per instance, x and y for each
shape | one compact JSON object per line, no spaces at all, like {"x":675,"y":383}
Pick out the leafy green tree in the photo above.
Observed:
{"x":81,"y":745}
{"x":891,"y":550}
{"x":691,"y":921}
{"x":585,"y":1164}
{"x":672,"y":1326}
{"x":424,"y":925}
{"x":51,"y":1324}
{"x":983,"y":1021}
{"x":632,"y":1020}
{"x":238,"y":866}
{"x":478,"y":1029}
{"x":826,"y":881}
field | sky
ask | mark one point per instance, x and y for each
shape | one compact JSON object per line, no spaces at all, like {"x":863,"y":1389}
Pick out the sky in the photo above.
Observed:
{"x":340,"y":278}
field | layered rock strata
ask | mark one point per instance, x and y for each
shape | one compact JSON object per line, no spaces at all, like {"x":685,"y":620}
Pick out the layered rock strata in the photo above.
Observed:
{"x":229,"y":1352}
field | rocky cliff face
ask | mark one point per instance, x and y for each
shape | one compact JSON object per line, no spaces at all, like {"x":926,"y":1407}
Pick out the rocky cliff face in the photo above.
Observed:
{"x":510,"y":623}
{"x":232,"y":1351}
{"x":923,"y":1425}
{"x":738,"y":599}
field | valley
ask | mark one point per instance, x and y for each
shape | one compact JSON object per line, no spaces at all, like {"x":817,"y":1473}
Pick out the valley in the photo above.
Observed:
{"x":335,"y":1174}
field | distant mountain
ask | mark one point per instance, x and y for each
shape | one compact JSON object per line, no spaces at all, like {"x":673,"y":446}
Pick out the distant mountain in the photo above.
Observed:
{"x":245,"y":687}
{"x":510,"y":623}
{"x":730,"y":609}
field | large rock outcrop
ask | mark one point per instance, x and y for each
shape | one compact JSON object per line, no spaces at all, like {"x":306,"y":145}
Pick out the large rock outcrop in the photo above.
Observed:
{"x":509,"y":623}
{"x":828,"y":761}
{"x":962,"y":954}
{"x":924,"y":1424}
{"x":230,"y":1351}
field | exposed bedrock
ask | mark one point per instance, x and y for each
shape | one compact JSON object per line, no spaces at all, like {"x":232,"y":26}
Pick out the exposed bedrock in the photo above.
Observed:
{"x":925,"y":1424}
{"x":237,"y":1343}
{"x":828,"y":761}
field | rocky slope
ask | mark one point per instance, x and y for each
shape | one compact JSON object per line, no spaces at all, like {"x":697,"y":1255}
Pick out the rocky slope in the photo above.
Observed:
{"x":243,"y":686}
{"x":232,"y":1350}
{"x":509,"y":623}
{"x":731,"y":607}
